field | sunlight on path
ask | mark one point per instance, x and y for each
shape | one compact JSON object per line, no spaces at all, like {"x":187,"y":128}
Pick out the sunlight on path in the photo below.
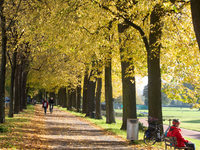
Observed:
{"x":64,"y":131}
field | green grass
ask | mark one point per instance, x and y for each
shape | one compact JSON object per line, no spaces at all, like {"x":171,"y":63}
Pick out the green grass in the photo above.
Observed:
{"x":190,"y":118}
{"x":7,"y":135}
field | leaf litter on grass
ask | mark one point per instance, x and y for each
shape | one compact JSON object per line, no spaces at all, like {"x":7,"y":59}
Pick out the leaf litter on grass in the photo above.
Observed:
{"x":24,"y":130}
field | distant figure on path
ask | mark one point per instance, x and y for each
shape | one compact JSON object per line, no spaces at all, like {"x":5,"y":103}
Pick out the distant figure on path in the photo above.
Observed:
{"x":51,"y":103}
{"x":175,"y":131}
{"x":45,"y":105}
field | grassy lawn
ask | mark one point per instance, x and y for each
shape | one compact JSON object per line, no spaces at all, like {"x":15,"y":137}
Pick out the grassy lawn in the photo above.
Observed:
{"x":11,"y":135}
{"x":115,"y":128}
{"x":190,"y":118}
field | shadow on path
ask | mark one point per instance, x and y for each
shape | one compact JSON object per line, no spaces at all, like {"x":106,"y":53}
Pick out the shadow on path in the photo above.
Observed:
{"x":65,"y":131}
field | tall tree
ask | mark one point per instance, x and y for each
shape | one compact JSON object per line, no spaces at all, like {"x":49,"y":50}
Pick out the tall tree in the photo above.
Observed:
{"x":84,"y":110}
{"x":91,"y":92}
{"x":110,"y":114}
{"x":128,"y":83}
{"x":154,"y":75}
{"x":73,"y":98}
{"x":78,"y":95}
{"x":16,"y":89}
{"x":69,"y":105}
{"x":98,"y":96}
{"x":64,"y":97}
{"x":3,"y":62}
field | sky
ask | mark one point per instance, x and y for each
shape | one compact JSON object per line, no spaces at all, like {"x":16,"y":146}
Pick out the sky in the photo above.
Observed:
{"x":140,"y":83}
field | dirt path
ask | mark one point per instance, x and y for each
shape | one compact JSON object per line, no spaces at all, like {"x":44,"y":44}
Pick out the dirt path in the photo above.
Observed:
{"x":65,"y":131}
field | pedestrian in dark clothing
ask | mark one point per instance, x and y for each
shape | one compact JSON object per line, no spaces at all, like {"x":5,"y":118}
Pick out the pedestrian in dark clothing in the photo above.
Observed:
{"x":51,"y":103}
{"x":45,"y":105}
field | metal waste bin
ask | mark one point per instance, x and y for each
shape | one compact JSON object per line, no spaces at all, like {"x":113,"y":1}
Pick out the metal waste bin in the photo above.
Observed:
{"x":92,"y":114}
{"x":132,"y":129}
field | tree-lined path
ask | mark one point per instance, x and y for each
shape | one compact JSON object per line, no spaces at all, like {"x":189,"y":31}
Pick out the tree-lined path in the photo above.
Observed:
{"x":65,"y":131}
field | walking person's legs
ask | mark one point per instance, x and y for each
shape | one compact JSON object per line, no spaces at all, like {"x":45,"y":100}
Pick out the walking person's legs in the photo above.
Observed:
{"x":51,"y":108}
{"x":45,"y":110}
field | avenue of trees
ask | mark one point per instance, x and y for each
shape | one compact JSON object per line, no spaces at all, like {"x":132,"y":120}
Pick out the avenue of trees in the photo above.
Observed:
{"x":90,"y":51}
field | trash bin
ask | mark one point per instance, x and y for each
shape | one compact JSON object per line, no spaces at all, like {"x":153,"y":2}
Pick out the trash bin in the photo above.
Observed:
{"x":132,"y":129}
{"x":92,"y":114}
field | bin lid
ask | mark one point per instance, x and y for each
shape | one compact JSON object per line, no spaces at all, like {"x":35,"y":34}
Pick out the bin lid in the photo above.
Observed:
{"x":132,"y":120}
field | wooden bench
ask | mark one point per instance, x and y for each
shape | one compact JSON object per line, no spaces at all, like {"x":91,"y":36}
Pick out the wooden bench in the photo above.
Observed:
{"x":171,"y":142}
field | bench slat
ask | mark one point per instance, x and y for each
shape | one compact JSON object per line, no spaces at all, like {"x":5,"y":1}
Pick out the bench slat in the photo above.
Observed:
{"x":172,"y":141}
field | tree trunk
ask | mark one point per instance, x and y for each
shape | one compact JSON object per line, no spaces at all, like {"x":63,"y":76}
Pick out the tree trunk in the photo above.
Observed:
{"x":74,"y":98}
{"x":60,"y":97}
{"x":195,"y":9}
{"x":16,"y":91}
{"x":84,"y":109}
{"x":24,"y":80}
{"x":98,"y":97}
{"x":110,"y":114}
{"x":20,"y":86}
{"x":64,"y":97}
{"x":3,"y":66}
{"x":128,"y":86}
{"x":91,"y":97}
{"x":11,"y":108}
{"x":154,"y":76}
{"x":91,"y":92}
{"x":69,"y":107}
{"x":78,"y":105}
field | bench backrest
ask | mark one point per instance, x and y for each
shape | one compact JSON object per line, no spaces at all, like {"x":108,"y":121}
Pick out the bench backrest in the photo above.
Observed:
{"x":171,"y":140}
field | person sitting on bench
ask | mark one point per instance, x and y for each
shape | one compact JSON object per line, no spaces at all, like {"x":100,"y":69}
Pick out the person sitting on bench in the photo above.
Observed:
{"x":175,"y":131}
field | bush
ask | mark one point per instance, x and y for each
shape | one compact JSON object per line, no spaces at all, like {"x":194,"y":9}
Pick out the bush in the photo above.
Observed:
{"x":141,"y":126}
{"x":3,"y":129}
{"x":141,"y":115}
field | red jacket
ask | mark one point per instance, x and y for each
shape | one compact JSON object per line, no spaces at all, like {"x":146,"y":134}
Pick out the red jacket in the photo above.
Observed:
{"x":176,"y":132}
{"x":46,"y":105}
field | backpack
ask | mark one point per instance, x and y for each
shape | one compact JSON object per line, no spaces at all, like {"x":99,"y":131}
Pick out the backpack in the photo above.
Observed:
{"x":45,"y":104}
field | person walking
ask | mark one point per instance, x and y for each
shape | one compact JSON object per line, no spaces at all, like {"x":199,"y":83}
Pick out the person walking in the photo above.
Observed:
{"x":51,"y":103}
{"x":45,"y":105}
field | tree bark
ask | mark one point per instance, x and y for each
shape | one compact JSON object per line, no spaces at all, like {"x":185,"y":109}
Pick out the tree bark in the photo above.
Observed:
{"x":20,"y":86}
{"x":91,"y":97}
{"x":24,"y":80}
{"x":16,"y":91}
{"x":154,"y":75}
{"x":69,"y":107}
{"x":73,"y":98}
{"x":78,"y":105}
{"x":128,"y":85}
{"x":64,"y":97}
{"x":110,"y":114}
{"x":11,"y":108}
{"x":60,"y":97}
{"x":84,"y":109}
{"x":195,"y":9}
{"x":3,"y":65}
{"x":98,"y":97}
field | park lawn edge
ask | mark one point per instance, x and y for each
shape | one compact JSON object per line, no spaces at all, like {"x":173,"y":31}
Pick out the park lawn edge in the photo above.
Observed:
{"x":23,"y":118}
